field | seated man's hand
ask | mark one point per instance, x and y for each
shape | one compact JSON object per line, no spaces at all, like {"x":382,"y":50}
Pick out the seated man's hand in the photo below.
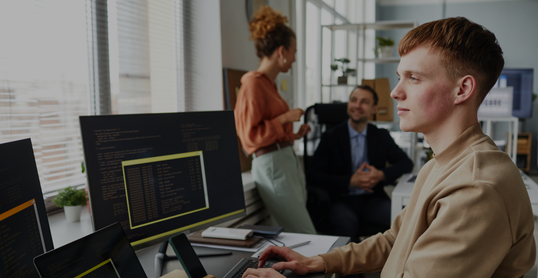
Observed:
{"x":294,"y":261}
{"x":366,"y":177}
{"x":262,"y":273}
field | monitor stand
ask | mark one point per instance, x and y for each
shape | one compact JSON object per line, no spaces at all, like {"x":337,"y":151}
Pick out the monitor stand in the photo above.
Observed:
{"x":161,"y":258}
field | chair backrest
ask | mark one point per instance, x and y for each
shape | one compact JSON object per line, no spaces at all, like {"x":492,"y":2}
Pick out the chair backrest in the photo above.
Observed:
{"x":321,"y":117}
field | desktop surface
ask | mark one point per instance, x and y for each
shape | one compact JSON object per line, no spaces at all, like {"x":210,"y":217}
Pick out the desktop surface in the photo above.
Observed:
{"x":64,"y":232}
{"x":220,"y":265}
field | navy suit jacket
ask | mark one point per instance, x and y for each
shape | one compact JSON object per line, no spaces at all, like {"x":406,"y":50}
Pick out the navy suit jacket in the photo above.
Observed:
{"x":331,"y":169}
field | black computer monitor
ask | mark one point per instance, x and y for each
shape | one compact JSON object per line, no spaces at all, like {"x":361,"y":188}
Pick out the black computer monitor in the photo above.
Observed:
{"x":162,"y":174}
{"x":522,"y":82}
{"x":24,"y":226}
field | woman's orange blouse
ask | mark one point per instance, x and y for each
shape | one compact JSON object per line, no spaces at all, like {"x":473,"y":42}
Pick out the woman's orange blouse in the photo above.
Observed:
{"x":256,"y":110}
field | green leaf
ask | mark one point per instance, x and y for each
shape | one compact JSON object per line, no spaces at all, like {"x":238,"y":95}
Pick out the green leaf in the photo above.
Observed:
{"x":70,"y":196}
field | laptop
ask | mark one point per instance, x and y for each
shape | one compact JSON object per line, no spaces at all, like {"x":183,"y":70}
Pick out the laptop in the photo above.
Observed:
{"x":105,"y":253}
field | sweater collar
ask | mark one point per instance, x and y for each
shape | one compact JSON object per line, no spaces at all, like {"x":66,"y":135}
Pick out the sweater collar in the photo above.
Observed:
{"x":468,"y":138}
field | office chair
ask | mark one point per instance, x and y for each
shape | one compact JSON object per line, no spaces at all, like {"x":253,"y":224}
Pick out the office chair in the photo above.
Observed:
{"x":322,"y":117}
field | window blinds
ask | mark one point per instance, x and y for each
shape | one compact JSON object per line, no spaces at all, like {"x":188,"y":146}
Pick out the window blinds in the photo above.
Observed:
{"x":60,"y":59}
{"x":44,"y":83}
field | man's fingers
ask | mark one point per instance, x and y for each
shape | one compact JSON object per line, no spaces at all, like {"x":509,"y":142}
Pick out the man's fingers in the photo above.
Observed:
{"x":293,"y":266}
{"x":261,"y":272}
{"x":362,"y":167}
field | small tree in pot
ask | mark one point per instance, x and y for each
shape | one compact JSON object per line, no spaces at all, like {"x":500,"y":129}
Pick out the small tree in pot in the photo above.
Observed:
{"x":345,"y":70}
{"x":385,"y":46}
{"x":71,"y":200}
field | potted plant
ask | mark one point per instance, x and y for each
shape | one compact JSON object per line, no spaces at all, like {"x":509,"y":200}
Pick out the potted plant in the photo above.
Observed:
{"x":342,"y":66}
{"x":71,"y":200}
{"x":385,"y":46}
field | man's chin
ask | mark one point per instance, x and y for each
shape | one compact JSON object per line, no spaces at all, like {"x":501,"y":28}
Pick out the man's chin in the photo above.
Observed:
{"x":406,"y":127}
{"x":360,"y":120}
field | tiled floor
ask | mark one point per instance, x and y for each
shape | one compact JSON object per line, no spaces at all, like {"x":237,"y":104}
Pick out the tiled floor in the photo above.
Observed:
{"x":532,"y":272}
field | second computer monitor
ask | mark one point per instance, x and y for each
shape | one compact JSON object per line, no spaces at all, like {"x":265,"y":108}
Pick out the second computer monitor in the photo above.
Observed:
{"x":161,"y":174}
{"x":24,"y":226}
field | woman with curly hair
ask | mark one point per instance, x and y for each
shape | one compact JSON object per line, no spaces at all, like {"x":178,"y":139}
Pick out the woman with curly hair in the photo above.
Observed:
{"x":264,"y":124}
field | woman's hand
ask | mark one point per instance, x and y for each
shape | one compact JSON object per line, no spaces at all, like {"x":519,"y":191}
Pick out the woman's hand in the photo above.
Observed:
{"x":303,"y":130}
{"x":291,"y":116}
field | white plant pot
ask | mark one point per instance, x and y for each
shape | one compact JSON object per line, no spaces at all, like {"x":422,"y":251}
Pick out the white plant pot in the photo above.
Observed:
{"x":72,"y":213}
{"x":385,"y":51}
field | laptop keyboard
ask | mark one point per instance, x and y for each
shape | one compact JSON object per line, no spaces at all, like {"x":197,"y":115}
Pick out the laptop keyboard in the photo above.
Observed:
{"x":242,"y":266}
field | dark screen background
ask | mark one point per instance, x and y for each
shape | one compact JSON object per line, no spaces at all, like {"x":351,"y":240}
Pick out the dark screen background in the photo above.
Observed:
{"x":20,"y":240}
{"x":108,"y":140}
{"x":85,"y":253}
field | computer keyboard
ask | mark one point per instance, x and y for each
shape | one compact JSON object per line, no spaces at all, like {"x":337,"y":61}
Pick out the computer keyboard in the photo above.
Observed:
{"x":242,"y":266}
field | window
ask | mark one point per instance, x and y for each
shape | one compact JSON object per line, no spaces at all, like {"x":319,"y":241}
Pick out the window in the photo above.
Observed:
{"x":60,"y":59}
{"x":44,"y":83}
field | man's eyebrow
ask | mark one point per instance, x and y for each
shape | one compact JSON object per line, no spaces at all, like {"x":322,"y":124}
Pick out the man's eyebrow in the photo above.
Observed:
{"x":411,"y":72}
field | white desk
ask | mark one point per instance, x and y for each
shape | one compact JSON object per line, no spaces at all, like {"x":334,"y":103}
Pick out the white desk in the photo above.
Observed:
{"x":402,"y":193}
{"x":511,"y":143}
{"x":64,"y":232}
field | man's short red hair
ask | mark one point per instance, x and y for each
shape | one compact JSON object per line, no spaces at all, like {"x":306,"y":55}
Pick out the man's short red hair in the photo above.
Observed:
{"x":465,"y":48}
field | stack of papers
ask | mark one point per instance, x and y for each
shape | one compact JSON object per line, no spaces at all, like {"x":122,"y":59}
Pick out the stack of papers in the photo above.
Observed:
{"x":318,"y":244}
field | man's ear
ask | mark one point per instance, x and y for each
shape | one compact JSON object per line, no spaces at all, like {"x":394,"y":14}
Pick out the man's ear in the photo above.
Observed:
{"x":466,"y":89}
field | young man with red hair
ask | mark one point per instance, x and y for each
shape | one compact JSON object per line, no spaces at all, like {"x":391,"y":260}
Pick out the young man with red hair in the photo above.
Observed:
{"x":469,"y":213}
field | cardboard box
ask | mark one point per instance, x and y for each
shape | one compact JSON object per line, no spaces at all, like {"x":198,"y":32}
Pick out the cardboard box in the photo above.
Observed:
{"x":385,"y":104}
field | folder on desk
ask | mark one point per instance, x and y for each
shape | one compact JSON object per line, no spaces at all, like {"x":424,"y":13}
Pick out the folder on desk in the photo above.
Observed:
{"x":197,"y":238}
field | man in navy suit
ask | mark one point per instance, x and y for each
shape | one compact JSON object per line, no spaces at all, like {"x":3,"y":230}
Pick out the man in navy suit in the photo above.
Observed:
{"x":353,"y":162}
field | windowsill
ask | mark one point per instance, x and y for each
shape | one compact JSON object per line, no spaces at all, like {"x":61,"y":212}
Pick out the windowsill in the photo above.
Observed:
{"x":64,"y":232}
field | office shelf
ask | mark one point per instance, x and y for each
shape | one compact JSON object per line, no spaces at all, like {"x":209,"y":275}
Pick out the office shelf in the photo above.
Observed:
{"x":381,"y":60}
{"x":523,"y":161}
{"x":357,"y":53}
{"x":512,"y":142}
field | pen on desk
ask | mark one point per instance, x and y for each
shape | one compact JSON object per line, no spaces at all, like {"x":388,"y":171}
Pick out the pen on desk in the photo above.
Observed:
{"x":214,"y":254}
{"x":299,"y":244}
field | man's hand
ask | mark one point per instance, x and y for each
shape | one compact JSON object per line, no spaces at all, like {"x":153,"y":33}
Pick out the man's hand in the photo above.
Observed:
{"x":262,"y":273}
{"x":291,"y":116}
{"x":303,"y":130}
{"x":294,"y":261}
{"x":366,"y":177}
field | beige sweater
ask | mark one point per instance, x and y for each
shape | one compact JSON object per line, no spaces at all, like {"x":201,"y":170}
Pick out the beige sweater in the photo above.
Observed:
{"x":469,"y":216}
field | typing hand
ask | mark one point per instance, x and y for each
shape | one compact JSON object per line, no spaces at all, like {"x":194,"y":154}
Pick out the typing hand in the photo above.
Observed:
{"x":294,"y":261}
{"x":262,"y":273}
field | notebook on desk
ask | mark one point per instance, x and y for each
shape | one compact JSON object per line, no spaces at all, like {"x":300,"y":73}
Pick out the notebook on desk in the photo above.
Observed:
{"x":104,"y":253}
{"x":198,"y":238}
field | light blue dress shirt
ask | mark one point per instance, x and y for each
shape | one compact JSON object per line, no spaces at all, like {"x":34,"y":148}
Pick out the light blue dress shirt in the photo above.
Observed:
{"x":359,"y":154}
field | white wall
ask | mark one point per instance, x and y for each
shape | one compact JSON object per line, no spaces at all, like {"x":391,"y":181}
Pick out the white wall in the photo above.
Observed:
{"x":238,"y":51}
{"x":203,"y":64}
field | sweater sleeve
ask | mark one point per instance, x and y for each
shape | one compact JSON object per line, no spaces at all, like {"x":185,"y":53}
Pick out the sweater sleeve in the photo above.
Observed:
{"x":254,"y":130}
{"x":469,"y":235}
{"x":367,"y":256}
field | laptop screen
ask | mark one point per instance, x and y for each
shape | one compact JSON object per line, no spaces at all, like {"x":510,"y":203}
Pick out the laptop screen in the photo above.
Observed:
{"x":104,"y":253}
